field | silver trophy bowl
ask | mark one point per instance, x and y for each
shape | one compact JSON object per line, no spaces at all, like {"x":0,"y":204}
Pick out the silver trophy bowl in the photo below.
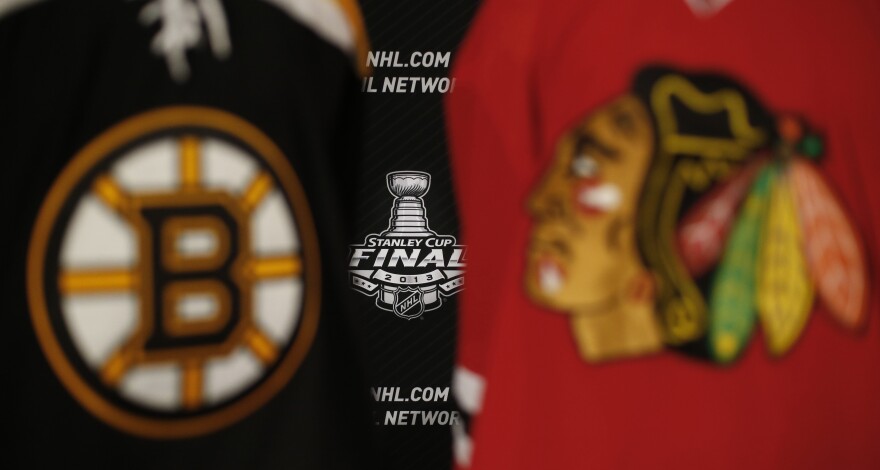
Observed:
{"x":408,"y":214}
{"x":408,"y":183}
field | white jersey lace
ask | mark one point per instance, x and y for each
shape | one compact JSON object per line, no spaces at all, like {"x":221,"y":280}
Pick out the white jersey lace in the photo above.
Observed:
{"x":182,"y":29}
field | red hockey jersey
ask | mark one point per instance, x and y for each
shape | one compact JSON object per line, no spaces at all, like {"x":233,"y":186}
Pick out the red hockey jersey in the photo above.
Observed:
{"x":673,"y":234}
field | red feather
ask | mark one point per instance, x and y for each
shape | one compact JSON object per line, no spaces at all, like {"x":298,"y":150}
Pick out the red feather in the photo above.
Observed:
{"x":702,"y":232}
{"x":833,"y":248}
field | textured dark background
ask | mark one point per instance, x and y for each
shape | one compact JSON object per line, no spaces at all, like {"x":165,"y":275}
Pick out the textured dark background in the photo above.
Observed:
{"x":406,"y":132}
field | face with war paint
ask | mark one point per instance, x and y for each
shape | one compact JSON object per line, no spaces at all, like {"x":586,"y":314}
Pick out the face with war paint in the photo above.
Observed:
{"x":583,"y":259}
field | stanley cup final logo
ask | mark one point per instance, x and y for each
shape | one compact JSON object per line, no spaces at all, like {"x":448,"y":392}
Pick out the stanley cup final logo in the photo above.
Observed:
{"x":409,"y":268}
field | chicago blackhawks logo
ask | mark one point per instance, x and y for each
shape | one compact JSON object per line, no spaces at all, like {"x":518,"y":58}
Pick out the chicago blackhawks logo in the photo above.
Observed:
{"x":173,"y":273}
{"x":409,"y":267}
{"x":683,"y":213}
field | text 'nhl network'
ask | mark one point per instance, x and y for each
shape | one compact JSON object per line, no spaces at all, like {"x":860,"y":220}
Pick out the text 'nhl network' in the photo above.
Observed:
{"x":444,"y":417}
{"x":408,"y":84}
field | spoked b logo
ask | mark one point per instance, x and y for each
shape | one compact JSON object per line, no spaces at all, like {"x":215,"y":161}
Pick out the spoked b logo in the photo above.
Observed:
{"x":174,"y":273}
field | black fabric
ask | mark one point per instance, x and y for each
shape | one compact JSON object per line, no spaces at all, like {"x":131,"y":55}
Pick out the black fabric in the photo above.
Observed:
{"x":71,"y":69}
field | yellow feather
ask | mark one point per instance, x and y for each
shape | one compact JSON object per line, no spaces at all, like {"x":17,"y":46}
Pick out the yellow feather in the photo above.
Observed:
{"x":785,"y":293}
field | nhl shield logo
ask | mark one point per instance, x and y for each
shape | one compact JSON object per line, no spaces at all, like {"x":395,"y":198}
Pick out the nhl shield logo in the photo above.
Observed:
{"x":409,"y":268}
{"x":408,"y":303}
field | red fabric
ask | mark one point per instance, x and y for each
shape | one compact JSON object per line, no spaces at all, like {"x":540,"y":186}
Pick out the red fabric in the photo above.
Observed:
{"x":527,"y":72}
{"x":494,"y":119}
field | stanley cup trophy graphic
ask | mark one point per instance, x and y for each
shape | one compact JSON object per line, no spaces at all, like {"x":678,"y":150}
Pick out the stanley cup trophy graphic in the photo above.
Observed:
{"x":409,"y":268}
{"x":408,"y":214}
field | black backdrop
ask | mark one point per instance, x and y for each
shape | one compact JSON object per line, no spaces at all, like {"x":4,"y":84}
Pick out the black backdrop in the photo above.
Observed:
{"x":59,"y":100}
{"x":406,"y":132}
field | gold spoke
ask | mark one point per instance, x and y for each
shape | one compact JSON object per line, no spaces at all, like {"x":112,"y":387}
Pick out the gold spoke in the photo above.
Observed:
{"x":192,"y":385}
{"x":116,"y":367}
{"x":108,"y":191}
{"x":189,"y":162}
{"x":96,"y":281}
{"x":281,"y":266}
{"x":257,"y":190}
{"x":260,"y":345}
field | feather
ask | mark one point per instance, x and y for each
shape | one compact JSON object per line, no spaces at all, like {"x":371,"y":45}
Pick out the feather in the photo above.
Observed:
{"x":705,"y":227}
{"x":785,"y":293}
{"x":834,"y":252}
{"x":732,"y":299}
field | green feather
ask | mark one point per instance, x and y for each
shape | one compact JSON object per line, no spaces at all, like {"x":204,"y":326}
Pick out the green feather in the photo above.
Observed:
{"x":732,"y":307}
{"x":811,"y":147}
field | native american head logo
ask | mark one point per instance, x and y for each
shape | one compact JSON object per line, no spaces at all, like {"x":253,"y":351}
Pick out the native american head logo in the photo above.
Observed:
{"x":679,"y":213}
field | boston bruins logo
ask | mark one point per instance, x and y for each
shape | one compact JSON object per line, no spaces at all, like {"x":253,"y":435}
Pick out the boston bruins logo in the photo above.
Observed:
{"x":173,"y":273}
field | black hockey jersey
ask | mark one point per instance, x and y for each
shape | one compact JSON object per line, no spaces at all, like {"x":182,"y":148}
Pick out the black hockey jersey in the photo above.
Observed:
{"x":175,"y":185}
